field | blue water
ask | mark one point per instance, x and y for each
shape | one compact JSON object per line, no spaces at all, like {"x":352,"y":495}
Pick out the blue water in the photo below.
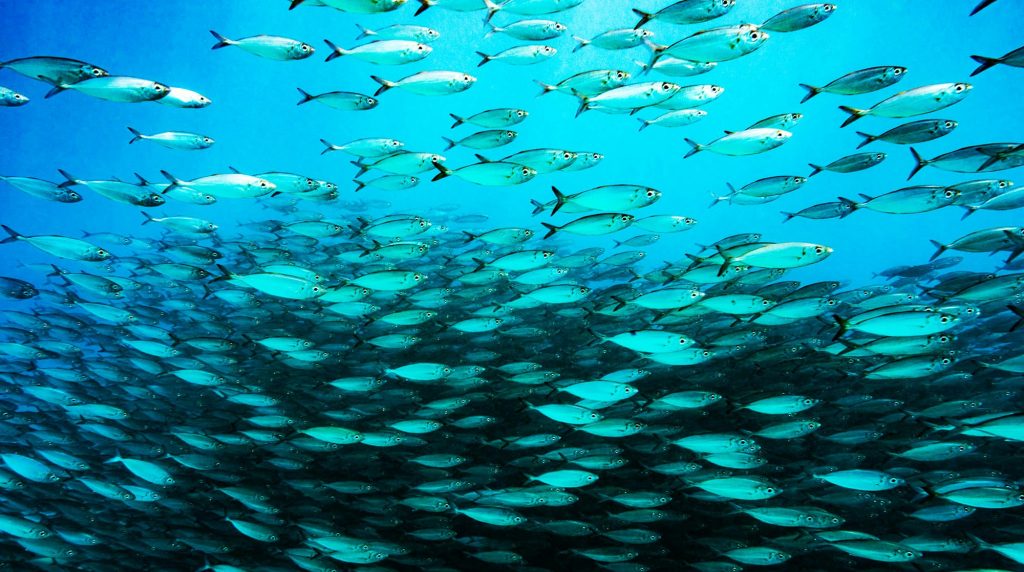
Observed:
{"x":258,"y":127}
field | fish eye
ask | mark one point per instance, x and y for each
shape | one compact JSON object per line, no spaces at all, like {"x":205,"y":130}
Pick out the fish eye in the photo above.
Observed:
{"x":893,"y":480}
{"x":304,"y":48}
{"x":619,"y":75}
{"x":818,"y":250}
{"x":465,"y":78}
{"x":948,"y":124}
{"x":754,"y":35}
{"x":944,"y":319}
{"x":897,"y":71}
{"x":959,"y":87}
{"x":666,"y":86}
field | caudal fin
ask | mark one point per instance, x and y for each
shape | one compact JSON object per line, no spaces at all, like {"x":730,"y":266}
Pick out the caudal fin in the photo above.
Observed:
{"x":222,"y":42}
{"x":328,"y":147}
{"x":306,"y":96}
{"x":981,"y":6}
{"x":939,"y":249}
{"x":1017,"y":311}
{"x":544,"y":88}
{"x":538,"y":207}
{"x":364,"y":32}
{"x":458,"y":120}
{"x":442,"y":171}
{"x":580,"y":43}
{"x":985,"y":64}
{"x":855,"y":114}
{"x":559,"y":200}
{"x":811,"y":92}
{"x":552,"y":229}
{"x":449,"y":143}
{"x":867,"y":139}
{"x":137,"y":135}
{"x":148,"y":220}
{"x":921,"y":163}
{"x":644,"y":124}
{"x":696,"y":148}
{"x":13,"y":235}
{"x":384,"y":85}
{"x":816,"y":170}
{"x":644,"y":17}
{"x":336,"y":52}
{"x":484,"y":58}
{"x":359,"y":185}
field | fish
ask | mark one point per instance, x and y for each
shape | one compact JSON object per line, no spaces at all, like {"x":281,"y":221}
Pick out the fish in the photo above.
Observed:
{"x":54,"y":70}
{"x":850,"y":163}
{"x":623,"y":39}
{"x":488,"y":173}
{"x":174,"y":140}
{"x":343,"y":100}
{"x":746,"y":142}
{"x":428,"y":83}
{"x":687,"y":12}
{"x":917,"y":101}
{"x":519,"y":55}
{"x":715,"y":45}
{"x":858,"y":82}
{"x":914,"y":132}
{"x":269,"y":47}
{"x":530,"y":30}
{"x":11,"y":98}
{"x":383,"y":52}
{"x":799,"y":18}
{"x":1013,"y":58}
{"x":115,"y":88}
{"x":420,"y":34}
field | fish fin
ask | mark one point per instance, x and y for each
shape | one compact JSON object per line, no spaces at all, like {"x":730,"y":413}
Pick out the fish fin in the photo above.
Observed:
{"x":726,"y":261}
{"x":175,"y":182}
{"x":939,"y":249}
{"x":852,"y":204}
{"x":295,"y":4}
{"x":328,"y":147}
{"x":848,"y":346}
{"x":458,"y":120}
{"x":336,"y":52}
{"x":1017,"y":311}
{"x":644,"y":17}
{"x":816,"y":170}
{"x":450,"y":143}
{"x":584,"y":103}
{"x":362,"y":168}
{"x":993,"y":158}
{"x":552,"y":229}
{"x":424,"y":4}
{"x":359,"y":185}
{"x":484,"y":58}
{"x":865,"y":197}
{"x":968,"y":211}
{"x":545,"y":88}
{"x":492,"y":9}
{"x":470,"y":237}
{"x":696,"y":148}
{"x":225,"y":275}
{"x":559,"y":200}
{"x":57,"y":87}
{"x":811,"y":92}
{"x":384,"y":85}
{"x":222,"y":42}
{"x":538,"y":207}
{"x":985,"y":64}
{"x":921,"y":163}
{"x":70,"y":179}
{"x":644,"y":124}
{"x":364,"y":32}
{"x":867,"y":139}
{"x":789,"y":216}
{"x":981,"y":6}
{"x":644,"y":68}
{"x":359,"y":341}
{"x":137,"y":136}
{"x":842,"y":323}
{"x":148,"y":220}
{"x":442,"y":171}
{"x":855,"y":114}
{"x":306,"y":96}
{"x":13,"y":234}
{"x":619,"y":303}
{"x":494,"y":30}
{"x":481,"y":158}
{"x":583,"y":42}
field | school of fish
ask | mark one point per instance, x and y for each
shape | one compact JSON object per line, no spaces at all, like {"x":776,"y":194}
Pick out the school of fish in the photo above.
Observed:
{"x":430,"y":392}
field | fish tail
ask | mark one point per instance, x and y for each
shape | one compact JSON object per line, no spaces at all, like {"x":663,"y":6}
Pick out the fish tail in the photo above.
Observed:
{"x":619,"y":303}
{"x":842,"y":323}
{"x":470,"y":237}
{"x":424,"y":4}
{"x":939,"y":249}
{"x":328,"y":147}
{"x":174,"y":180}
{"x":306,"y":96}
{"x":552,"y":229}
{"x":582,"y":43}
{"x":450,"y":143}
{"x":492,"y":9}
{"x":362,"y":168}
{"x":656,"y":53}
{"x":336,"y":52}
{"x":142,"y":180}
{"x":852,"y":204}
{"x":458,"y":120}
{"x":584,"y":105}
{"x":225,"y":274}
{"x":538,"y":207}
{"x":494,"y":30}
{"x":148,"y":220}
{"x":57,"y":87}
{"x":384,"y":85}
{"x":364,"y":32}
{"x":643,"y":67}
{"x":69,"y":181}
{"x":644,"y":124}
{"x":481,"y":158}
{"x":1017,"y":311}
{"x":559,"y":200}
{"x":789,"y":216}
{"x":13,"y":235}
{"x":295,"y":4}
{"x":811,"y":92}
{"x":981,"y":6}
{"x":968,"y":211}
{"x":484,"y":58}
{"x":359,"y":184}
{"x":137,"y":136}
{"x":544,"y":88}
{"x":855,"y":114}
{"x":816,"y":170}
{"x":696,"y":148}
{"x":644,"y":17}
{"x":222,"y":42}
{"x":442,"y":171}
{"x":985,"y":64}
{"x":921,"y":163}
{"x":867,"y":139}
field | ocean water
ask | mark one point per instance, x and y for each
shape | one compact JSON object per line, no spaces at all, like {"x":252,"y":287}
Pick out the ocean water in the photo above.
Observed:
{"x":259,"y":128}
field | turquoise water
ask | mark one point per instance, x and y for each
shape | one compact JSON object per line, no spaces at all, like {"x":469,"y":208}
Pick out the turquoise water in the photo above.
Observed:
{"x":259,"y":128}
